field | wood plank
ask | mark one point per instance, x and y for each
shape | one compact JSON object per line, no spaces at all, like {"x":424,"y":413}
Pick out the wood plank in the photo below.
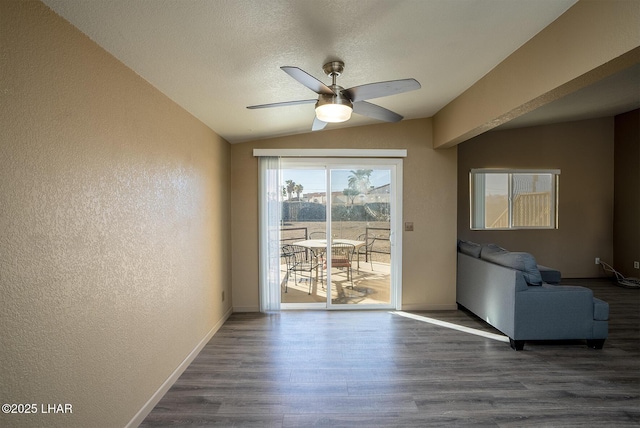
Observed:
{"x":377,"y":369}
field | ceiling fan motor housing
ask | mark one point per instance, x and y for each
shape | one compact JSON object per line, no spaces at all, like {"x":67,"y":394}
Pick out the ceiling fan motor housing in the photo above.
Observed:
{"x":333,"y":68}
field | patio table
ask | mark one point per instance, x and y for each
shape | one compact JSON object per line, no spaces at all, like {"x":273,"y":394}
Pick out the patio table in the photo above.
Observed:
{"x":317,"y":245}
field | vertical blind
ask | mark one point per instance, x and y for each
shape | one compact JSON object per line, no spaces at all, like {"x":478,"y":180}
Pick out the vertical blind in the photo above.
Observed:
{"x":269,"y":194}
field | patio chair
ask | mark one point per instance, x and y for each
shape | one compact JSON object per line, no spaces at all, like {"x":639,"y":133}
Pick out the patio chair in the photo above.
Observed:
{"x":366,"y":248}
{"x":299,"y":259}
{"x":318,"y":235}
{"x":341,"y":258}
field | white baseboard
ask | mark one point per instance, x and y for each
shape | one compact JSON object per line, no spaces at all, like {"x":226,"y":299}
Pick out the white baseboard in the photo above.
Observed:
{"x":428,"y":307}
{"x":167,"y":384}
{"x":246,"y":309}
{"x":414,"y":307}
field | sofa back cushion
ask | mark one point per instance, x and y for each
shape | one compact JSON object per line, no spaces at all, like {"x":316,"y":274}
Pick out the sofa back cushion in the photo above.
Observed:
{"x":524,"y":262}
{"x":469,"y":248}
{"x":492,"y":248}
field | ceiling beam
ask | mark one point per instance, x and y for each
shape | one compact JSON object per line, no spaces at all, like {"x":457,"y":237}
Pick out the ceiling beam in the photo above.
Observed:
{"x":591,"y":41}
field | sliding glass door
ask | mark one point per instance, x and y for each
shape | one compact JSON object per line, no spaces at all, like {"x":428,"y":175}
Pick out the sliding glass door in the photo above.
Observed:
{"x":303,"y":219}
{"x":339,"y":224}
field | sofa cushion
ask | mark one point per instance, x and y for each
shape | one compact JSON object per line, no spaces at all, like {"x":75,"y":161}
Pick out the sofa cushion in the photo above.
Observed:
{"x":524,"y":262}
{"x":469,"y":248}
{"x":492,"y":248}
{"x":550,"y":275}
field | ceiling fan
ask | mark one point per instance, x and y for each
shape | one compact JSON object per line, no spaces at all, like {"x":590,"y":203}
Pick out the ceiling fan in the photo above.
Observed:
{"x":335,"y":103}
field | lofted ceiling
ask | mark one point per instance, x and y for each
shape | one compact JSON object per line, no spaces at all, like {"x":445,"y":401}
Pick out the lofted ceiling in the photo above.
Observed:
{"x":215,"y":57}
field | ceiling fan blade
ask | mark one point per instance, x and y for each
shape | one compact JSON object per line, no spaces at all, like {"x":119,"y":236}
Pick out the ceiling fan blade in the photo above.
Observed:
{"x":307,"y":80}
{"x":318,"y":124}
{"x":375,"y":111}
{"x":381,"y":89}
{"x":283,"y":104}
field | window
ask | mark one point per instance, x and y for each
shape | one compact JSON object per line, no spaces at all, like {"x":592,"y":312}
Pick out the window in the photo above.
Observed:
{"x":513,"y":199}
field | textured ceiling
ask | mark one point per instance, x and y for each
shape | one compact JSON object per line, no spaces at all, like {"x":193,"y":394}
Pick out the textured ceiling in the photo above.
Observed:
{"x":215,"y":57}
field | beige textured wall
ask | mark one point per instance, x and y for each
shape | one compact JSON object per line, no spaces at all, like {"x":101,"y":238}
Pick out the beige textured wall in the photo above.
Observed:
{"x":114,"y":241}
{"x":583,"y":151}
{"x":429,"y":202}
{"x":626,"y":225}
{"x":590,"y":41}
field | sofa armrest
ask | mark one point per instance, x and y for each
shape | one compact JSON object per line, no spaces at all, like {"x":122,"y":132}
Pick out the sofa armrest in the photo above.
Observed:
{"x":550,"y":275}
{"x":554,"y":312}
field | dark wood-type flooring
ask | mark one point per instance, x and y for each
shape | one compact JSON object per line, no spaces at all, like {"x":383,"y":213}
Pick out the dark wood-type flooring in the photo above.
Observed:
{"x":378,"y":369}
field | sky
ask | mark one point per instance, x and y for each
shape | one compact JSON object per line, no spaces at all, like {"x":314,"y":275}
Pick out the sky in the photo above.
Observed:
{"x":496,"y":184}
{"x":313,"y":180}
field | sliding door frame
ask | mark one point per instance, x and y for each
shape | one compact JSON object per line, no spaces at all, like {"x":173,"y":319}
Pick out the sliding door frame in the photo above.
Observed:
{"x":395,"y":167}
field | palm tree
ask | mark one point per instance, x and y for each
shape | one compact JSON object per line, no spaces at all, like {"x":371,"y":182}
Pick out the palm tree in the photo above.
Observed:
{"x":359,"y":180}
{"x":290,"y":187}
{"x":298,"y":188}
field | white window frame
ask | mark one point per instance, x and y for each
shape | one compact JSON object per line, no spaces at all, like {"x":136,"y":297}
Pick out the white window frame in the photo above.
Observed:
{"x":477,"y":194}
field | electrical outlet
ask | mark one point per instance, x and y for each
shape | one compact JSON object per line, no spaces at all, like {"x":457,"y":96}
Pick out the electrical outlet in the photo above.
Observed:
{"x":597,"y":260}
{"x":636,"y":265}
{"x":408,"y":226}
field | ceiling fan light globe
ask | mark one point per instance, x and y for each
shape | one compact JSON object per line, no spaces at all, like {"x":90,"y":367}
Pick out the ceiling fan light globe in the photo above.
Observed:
{"x":333,"y":113}
{"x":333,"y":108}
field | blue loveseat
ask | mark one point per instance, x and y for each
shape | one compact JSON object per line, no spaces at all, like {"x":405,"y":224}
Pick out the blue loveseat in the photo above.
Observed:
{"x":507,"y":290}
